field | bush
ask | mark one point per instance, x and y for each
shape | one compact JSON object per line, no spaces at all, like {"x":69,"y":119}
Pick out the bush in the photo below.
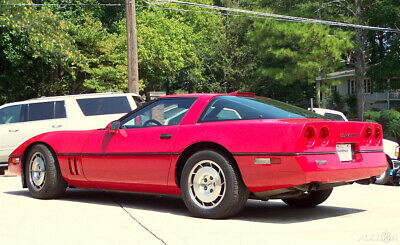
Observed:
{"x":390,"y":121}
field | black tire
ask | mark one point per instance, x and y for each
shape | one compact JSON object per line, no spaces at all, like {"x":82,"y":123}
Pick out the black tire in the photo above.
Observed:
{"x":313,"y":198}
{"x":54,"y":184}
{"x":385,"y":177}
{"x":235,"y":193}
{"x":2,"y":171}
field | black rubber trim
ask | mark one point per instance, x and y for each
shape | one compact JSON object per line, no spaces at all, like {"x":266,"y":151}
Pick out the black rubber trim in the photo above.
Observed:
{"x":295,"y":153}
{"x":369,"y":151}
{"x":122,"y":154}
{"x":15,"y":156}
{"x":281,"y":153}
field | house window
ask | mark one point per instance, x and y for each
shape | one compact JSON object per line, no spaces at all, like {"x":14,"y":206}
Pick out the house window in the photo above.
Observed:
{"x":333,"y":89}
{"x":352,"y":87}
{"x":367,"y":86}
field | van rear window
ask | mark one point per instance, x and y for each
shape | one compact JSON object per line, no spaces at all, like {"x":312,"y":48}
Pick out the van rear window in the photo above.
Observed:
{"x":104,"y":106}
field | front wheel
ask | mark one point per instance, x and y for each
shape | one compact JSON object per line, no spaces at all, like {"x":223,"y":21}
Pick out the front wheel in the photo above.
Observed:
{"x":311,"y":199}
{"x":211,"y":187}
{"x":43,"y":174}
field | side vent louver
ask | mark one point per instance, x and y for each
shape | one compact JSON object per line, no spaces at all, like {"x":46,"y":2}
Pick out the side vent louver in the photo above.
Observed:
{"x":73,"y":166}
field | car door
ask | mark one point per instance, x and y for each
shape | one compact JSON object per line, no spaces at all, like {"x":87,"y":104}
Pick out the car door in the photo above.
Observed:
{"x":140,"y":152}
{"x":11,"y":123}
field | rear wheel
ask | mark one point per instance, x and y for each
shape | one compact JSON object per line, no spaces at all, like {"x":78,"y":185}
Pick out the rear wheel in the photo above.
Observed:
{"x":2,"y":171}
{"x":311,"y":199}
{"x":211,"y":186}
{"x":43,"y":174}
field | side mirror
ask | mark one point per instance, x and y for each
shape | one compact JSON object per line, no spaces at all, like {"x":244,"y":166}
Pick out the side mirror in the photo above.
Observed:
{"x":113,"y":127}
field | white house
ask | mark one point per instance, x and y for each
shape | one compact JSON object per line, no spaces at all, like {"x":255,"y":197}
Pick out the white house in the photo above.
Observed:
{"x":373,"y":100}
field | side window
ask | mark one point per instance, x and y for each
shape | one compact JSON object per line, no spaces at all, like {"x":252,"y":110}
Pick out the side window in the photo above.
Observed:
{"x":222,"y":109}
{"x":11,"y":114}
{"x":163,"y":112}
{"x":60,"y":110}
{"x":104,"y":106}
{"x":41,"y":111}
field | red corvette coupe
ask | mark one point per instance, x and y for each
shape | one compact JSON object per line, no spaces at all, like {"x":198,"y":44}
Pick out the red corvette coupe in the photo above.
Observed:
{"x":216,"y":150}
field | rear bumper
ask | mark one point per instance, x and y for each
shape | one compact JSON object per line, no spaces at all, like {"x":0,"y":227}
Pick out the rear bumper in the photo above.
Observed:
{"x":305,"y":169}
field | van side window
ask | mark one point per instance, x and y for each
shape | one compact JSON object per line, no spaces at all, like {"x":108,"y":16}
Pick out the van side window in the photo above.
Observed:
{"x":60,"y":110}
{"x":11,"y":114}
{"x":104,"y":105}
{"x":41,"y":111}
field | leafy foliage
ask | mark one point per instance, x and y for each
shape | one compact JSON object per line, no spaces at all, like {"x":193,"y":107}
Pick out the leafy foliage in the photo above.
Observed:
{"x":390,"y":121}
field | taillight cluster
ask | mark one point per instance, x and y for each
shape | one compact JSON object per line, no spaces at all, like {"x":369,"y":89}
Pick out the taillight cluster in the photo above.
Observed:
{"x":373,"y":136}
{"x":312,"y":137}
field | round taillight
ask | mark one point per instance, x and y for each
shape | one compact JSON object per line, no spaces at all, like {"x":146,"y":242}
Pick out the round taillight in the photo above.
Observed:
{"x":324,"y":133}
{"x":378,"y":133}
{"x":368,"y":133}
{"x":310,"y":133}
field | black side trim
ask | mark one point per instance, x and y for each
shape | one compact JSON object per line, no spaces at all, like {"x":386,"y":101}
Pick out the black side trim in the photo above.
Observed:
{"x":20,"y":155}
{"x":122,"y":154}
{"x":368,"y":151}
{"x":281,"y":153}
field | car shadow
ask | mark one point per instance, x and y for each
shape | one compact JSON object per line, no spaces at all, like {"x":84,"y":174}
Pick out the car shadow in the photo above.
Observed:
{"x":273,"y":211}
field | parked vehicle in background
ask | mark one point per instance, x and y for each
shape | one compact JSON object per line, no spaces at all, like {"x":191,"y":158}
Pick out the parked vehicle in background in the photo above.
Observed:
{"x":390,"y":148}
{"x":20,"y":121}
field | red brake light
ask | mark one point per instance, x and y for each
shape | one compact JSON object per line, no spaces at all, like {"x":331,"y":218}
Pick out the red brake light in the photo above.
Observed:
{"x":368,"y":133}
{"x":378,"y":133}
{"x":324,"y":133}
{"x":244,"y":94}
{"x":310,"y":133}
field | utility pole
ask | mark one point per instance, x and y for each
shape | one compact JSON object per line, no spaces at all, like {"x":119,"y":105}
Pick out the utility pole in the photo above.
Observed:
{"x":133,"y":70}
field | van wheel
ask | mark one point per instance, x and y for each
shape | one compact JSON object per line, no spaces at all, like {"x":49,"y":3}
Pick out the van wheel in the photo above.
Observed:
{"x":385,"y":177}
{"x":211,"y":187}
{"x":43,"y":174}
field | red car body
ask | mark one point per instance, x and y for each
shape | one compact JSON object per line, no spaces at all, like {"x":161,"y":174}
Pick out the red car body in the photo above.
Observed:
{"x":301,"y":151}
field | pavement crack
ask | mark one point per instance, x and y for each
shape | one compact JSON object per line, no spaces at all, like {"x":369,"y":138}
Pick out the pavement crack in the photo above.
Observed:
{"x":134,"y":219}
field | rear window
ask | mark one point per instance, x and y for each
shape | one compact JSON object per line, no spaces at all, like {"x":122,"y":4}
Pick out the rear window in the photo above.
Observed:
{"x":225,"y":108}
{"x":104,"y":106}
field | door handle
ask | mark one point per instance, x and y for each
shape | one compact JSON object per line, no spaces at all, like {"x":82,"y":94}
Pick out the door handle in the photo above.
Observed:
{"x":165,"y":136}
{"x":57,"y":126}
{"x":13,"y":130}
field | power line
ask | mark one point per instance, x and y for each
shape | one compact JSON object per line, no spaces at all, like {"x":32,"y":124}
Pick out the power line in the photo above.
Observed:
{"x":250,"y":14}
{"x":62,"y":4}
{"x":282,"y":17}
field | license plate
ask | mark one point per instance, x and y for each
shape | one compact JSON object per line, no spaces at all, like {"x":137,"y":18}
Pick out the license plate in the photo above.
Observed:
{"x":344,"y":152}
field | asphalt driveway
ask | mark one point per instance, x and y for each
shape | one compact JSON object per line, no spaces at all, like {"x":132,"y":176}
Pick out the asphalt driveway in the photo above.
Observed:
{"x":354,"y":214}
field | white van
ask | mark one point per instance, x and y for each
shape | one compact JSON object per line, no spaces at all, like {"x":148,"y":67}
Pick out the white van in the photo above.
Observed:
{"x":20,"y":121}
